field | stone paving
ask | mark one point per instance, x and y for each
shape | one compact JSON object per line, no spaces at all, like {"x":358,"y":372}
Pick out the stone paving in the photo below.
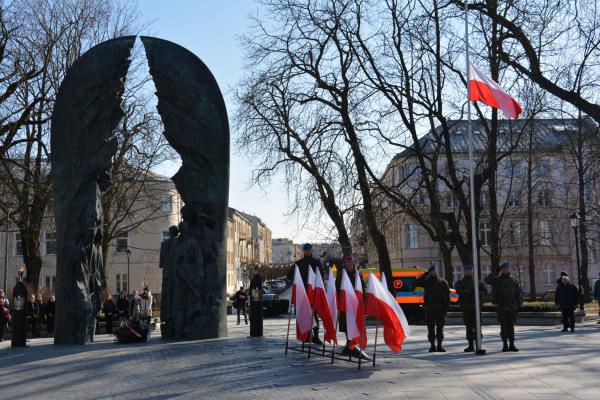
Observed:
{"x":551,"y":365}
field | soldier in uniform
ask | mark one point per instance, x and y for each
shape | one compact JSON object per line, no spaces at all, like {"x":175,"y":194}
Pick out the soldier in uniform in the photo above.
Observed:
{"x":508,"y":298}
{"x":167,"y":260}
{"x":465,"y":287}
{"x":437,"y":301}
{"x":303,"y":264}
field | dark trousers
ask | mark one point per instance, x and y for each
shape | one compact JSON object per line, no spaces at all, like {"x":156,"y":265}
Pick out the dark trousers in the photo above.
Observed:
{"x":507,"y":321}
{"x":436,"y":318}
{"x":109,"y":322}
{"x":469,"y":321}
{"x":242,"y":309}
{"x":568,"y":318}
{"x":50,"y":326}
{"x":2,"y":326}
{"x":256,"y":319}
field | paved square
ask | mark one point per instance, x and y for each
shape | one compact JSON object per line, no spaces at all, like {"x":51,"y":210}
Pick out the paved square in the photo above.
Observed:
{"x":550,"y":365}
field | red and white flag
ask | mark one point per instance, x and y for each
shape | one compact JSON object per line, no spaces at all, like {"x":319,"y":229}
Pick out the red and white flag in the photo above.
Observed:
{"x":321,"y":305}
{"x":384,"y":280}
{"x":304,"y":314}
{"x":360,"y":315}
{"x":382,"y":305}
{"x":349,"y":305}
{"x":310,"y":285}
{"x":483,"y":88}
{"x":332,"y":298}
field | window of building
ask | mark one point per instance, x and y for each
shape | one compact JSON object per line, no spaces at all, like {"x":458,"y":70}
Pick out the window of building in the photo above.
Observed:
{"x":545,"y":197}
{"x":513,"y":168}
{"x":485,"y":199}
{"x":122,"y":242}
{"x":50,"y":282}
{"x":167,"y":203}
{"x":121,"y":283}
{"x":18,"y":244}
{"x":485,"y":271}
{"x":515,"y":233}
{"x":50,"y":243}
{"x":411,"y":171}
{"x":485,"y":233}
{"x":450,"y":200}
{"x":543,"y":168}
{"x":549,"y":274}
{"x":411,"y":236}
{"x":514,"y":199}
{"x":457,"y":272}
{"x":545,"y":233}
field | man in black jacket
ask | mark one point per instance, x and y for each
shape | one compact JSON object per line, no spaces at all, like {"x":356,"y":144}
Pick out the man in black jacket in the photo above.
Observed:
{"x":465,"y":288}
{"x":303,"y":264}
{"x":239,"y":302}
{"x":437,"y":301}
{"x":566,"y":298}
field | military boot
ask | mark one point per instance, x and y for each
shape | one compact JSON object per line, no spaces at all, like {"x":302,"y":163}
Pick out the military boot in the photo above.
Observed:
{"x":432,"y":347}
{"x":471,"y":348}
{"x":512,"y":346}
{"x":439,"y":348}
{"x":504,"y":345}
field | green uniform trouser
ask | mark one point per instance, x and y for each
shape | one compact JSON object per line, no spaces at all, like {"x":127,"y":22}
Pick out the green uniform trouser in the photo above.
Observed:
{"x":436,"y":319}
{"x":507,"y":321}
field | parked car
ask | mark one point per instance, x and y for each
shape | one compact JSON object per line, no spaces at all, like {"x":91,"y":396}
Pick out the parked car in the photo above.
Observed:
{"x":273,"y":305}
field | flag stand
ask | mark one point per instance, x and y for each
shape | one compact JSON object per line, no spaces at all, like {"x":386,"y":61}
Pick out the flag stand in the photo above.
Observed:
{"x":478,"y":348}
{"x":287,"y":337}
{"x":333,"y":342}
{"x":375,"y":344}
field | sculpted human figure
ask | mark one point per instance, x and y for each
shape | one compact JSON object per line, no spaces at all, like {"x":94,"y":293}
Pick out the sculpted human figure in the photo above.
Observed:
{"x":167,"y":264}
{"x":189,"y":275}
{"x":91,"y":280}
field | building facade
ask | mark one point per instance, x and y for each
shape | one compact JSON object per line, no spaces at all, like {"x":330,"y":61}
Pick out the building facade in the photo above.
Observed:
{"x":262,"y":241}
{"x":285,"y":251}
{"x":240,"y":250}
{"x":537,"y":180}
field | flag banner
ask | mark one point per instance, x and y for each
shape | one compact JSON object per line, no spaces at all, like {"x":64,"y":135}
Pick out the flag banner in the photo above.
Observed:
{"x":382,"y":305}
{"x":332,"y":297}
{"x":304,"y":313}
{"x":360,"y":315}
{"x":323,"y":309}
{"x":310,"y":285}
{"x":483,"y":88}
{"x":384,"y":280}
{"x":349,"y":305}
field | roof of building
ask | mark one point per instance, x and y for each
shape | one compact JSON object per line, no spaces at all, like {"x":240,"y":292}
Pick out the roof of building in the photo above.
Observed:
{"x":551,"y":134}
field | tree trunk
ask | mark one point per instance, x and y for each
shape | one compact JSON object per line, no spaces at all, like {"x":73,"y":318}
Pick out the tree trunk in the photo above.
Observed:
{"x":583,"y":245}
{"x":32,"y":257}
{"x":447,"y":260}
{"x":530,"y":244}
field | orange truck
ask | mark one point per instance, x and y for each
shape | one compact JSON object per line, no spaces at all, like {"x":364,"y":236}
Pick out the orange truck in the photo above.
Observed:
{"x":411,"y":298}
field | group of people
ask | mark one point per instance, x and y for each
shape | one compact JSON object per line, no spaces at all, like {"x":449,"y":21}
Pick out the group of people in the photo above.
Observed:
{"x":37,"y":314}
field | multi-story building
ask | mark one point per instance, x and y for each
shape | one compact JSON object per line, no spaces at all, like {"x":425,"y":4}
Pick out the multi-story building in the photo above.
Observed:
{"x":262,"y":241}
{"x":285,"y":251}
{"x":240,"y":250}
{"x":552,"y":187}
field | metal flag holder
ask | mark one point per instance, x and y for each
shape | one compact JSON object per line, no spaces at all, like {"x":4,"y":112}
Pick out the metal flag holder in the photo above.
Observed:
{"x":307,"y":347}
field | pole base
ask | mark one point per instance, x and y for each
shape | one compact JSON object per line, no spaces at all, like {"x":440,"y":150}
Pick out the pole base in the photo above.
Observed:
{"x":480,"y":352}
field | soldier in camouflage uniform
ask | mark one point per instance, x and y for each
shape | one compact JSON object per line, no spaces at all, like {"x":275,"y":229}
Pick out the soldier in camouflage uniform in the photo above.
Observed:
{"x":508,"y":298}
{"x":465,"y":288}
{"x":437,"y":301}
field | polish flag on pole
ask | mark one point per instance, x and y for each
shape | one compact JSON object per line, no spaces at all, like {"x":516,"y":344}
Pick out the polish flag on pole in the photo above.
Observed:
{"x":332,"y":297}
{"x":384,"y":280}
{"x":349,"y":305}
{"x":321,"y":305}
{"x":382,"y":305}
{"x":310,"y":285}
{"x":360,"y":315}
{"x":304,"y":314}
{"x":483,"y":88}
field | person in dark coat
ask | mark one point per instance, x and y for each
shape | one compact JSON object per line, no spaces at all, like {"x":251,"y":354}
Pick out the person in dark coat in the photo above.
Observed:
{"x":50,"y":313}
{"x":303,"y":264}
{"x":465,"y":287}
{"x":123,"y":307}
{"x":597,"y":296}
{"x":4,"y":316}
{"x":351,"y":271}
{"x":437,"y":302}
{"x":256,"y":305}
{"x":239,"y":302}
{"x":110,"y":310}
{"x":508,"y":299}
{"x":566,"y":298}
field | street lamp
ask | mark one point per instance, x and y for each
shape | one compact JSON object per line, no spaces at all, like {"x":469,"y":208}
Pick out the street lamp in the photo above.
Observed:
{"x":575,"y":224}
{"x":128,"y":252}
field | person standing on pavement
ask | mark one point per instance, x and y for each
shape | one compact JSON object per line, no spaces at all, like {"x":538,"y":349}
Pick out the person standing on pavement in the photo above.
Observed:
{"x":110,"y":310}
{"x":566,"y":298}
{"x":351,"y":271}
{"x":50,"y":312}
{"x":465,"y":287}
{"x":146,"y":306}
{"x":240,"y":298}
{"x":256,"y":304}
{"x":6,"y":302}
{"x":303,"y":264}
{"x":135,"y":303}
{"x":437,"y":302}
{"x":597,"y":295}
{"x":508,"y":299}
{"x":4,"y":316}
{"x":123,"y":307}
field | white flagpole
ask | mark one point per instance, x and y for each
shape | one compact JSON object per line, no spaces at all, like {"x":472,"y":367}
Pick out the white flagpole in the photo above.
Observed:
{"x":472,"y":191}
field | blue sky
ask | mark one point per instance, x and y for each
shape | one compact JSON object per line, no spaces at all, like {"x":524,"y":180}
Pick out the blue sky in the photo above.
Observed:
{"x":211,"y":30}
